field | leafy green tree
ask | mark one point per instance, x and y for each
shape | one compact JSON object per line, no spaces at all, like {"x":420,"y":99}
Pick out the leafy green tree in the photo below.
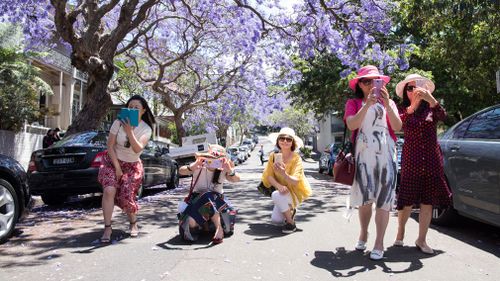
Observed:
{"x":300,"y":120}
{"x":321,"y":88}
{"x":459,"y":43}
{"x":20,"y":85}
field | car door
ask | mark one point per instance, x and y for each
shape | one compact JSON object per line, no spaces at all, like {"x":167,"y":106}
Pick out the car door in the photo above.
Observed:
{"x":473,"y":160}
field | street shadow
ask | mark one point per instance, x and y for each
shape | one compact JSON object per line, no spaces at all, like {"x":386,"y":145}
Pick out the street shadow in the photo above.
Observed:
{"x":265,"y":231}
{"x":477,"y":234}
{"x":342,"y":263}
{"x":203,"y":241}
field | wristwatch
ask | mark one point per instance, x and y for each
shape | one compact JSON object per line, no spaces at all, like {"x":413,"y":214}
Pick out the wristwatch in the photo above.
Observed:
{"x":233,"y":172}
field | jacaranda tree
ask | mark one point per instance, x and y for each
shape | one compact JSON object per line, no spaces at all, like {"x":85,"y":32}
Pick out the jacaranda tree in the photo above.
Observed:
{"x":99,"y":31}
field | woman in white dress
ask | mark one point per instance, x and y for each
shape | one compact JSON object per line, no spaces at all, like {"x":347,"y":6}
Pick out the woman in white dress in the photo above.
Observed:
{"x":373,"y":119}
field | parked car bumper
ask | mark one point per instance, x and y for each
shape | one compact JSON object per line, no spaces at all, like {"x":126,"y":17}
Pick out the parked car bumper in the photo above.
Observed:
{"x":73,"y":182}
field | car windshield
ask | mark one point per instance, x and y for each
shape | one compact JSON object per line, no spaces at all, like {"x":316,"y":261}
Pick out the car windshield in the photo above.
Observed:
{"x":85,"y":138}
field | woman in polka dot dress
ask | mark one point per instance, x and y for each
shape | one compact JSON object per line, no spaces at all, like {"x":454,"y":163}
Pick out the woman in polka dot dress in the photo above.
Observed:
{"x":422,"y":175}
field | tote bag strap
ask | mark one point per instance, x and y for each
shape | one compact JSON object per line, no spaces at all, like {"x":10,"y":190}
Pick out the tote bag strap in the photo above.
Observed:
{"x":345,"y":145}
{"x":188,"y":197}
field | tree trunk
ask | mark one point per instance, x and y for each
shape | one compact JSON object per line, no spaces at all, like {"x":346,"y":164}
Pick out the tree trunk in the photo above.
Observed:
{"x":179,"y":128}
{"x":97,"y":103}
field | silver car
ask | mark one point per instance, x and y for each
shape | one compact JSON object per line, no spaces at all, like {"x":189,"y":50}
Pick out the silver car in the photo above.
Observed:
{"x":471,"y":151}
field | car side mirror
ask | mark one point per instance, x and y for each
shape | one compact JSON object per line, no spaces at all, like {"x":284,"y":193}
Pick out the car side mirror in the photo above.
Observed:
{"x":165,"y":150}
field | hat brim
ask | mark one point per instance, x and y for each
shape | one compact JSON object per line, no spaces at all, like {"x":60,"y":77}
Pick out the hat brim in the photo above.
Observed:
{"x":273,"y":137}
{"x":428,"y":85}
{"x":208,"y":155}
{"x":354,"y":81}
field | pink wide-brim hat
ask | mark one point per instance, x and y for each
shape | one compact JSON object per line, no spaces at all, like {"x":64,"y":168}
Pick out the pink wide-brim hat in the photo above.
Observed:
{"x":368,"y":71}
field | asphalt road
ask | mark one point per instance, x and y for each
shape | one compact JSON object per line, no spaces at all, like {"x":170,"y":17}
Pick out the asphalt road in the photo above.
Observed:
{"x":62,"y":243}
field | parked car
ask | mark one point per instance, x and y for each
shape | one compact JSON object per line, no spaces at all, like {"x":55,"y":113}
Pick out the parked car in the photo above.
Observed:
{"x":70,"y":167}
{"x":242,"y":156}
{"x":327,"y":158}
{"x":14,"y":195}
{"x":233,"y":156}
{"x":249,"y":143}
{"x":246,"y":150}
{"x":471,"y":151}
{"x":255,"y":139}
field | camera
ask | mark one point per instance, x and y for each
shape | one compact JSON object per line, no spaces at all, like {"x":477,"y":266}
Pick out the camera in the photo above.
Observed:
{"x":214,"y":163}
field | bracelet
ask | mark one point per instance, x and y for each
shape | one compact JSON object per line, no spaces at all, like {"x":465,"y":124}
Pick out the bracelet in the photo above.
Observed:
{"x":189,"y":168}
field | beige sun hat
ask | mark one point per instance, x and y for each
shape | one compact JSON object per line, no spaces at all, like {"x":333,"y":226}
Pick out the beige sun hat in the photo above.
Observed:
{"x":286,"y":131}
{"x":215,"y":151}
{"x":426,"y":83}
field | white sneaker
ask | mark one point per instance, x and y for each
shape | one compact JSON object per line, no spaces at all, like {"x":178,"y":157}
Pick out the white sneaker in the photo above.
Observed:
{"x":360,"y":246}
{"x":376,"y":255}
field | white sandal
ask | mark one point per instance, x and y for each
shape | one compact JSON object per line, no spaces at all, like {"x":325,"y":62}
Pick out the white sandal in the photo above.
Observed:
{"x":398,"y":243}
{"x":376,"y":255}
{"x":360,"y":246}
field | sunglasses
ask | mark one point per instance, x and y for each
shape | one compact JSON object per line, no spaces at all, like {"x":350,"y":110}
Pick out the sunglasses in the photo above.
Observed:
{"x":287,"y":139}
{"x":410,"y":88}
{"x":366,"y":82}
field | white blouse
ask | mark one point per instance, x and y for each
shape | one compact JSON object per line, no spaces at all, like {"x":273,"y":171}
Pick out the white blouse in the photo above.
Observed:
{"x":123,"y":153}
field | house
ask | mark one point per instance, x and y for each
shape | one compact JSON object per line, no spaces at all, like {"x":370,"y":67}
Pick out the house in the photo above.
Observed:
{"x":331,"y":129}
{"x":68,"y":84}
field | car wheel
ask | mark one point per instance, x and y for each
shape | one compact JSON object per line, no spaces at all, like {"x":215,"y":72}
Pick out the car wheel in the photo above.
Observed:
{"x":174,"y":181}
{"x":53,"y":200}
{"x":9,"y":210}
{"x":140,"y":192}
{"x":444,"y":216}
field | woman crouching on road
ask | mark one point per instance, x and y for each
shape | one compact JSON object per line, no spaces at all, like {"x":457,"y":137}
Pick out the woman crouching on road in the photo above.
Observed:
{"x":284,"y":171}
{"x":121,"y":171}
{"x":206,"y":201}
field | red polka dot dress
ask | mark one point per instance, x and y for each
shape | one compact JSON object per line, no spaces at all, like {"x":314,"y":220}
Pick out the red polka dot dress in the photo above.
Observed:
{"x":422,"y":174}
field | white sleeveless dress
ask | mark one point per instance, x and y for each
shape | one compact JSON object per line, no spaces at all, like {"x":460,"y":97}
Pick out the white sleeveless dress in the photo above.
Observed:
{"x":375,"y":179}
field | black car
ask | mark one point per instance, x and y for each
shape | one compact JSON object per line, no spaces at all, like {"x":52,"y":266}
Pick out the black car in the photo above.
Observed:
{"x":70,"y":167}
{"x":14,"y":195}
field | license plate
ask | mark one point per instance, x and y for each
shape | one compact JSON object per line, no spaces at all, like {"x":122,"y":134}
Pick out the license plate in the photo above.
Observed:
{"x":62,"y":161}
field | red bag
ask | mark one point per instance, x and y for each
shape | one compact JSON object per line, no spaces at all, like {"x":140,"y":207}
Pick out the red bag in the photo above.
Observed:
{"x":344,"y":168}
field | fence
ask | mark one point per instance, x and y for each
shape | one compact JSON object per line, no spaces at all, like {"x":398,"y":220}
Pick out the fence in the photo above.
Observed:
{"x":20,"y":145}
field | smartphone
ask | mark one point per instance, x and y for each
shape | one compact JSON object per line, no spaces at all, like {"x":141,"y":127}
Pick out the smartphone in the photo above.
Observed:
{"x":278,"y":158}
{"x":377,"y":84}
{"x":214,"y":163}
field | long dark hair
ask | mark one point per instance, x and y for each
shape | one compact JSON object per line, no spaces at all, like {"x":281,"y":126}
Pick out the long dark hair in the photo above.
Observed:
{"x":215,"y":179}
{"x":406,"y":101}
{"x":148,"y":116}
{"x":358,"y":93}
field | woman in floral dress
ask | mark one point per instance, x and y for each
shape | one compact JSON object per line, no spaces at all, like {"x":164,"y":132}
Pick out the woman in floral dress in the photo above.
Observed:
{"x":371,"y":117}
{"x":121,"y":170}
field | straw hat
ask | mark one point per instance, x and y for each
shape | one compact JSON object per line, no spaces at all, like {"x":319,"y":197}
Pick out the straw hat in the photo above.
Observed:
{"x":426,"y":84}
{"x":368,"y":71}
{"x":214,"y":152}
{"x":287,"y":132}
